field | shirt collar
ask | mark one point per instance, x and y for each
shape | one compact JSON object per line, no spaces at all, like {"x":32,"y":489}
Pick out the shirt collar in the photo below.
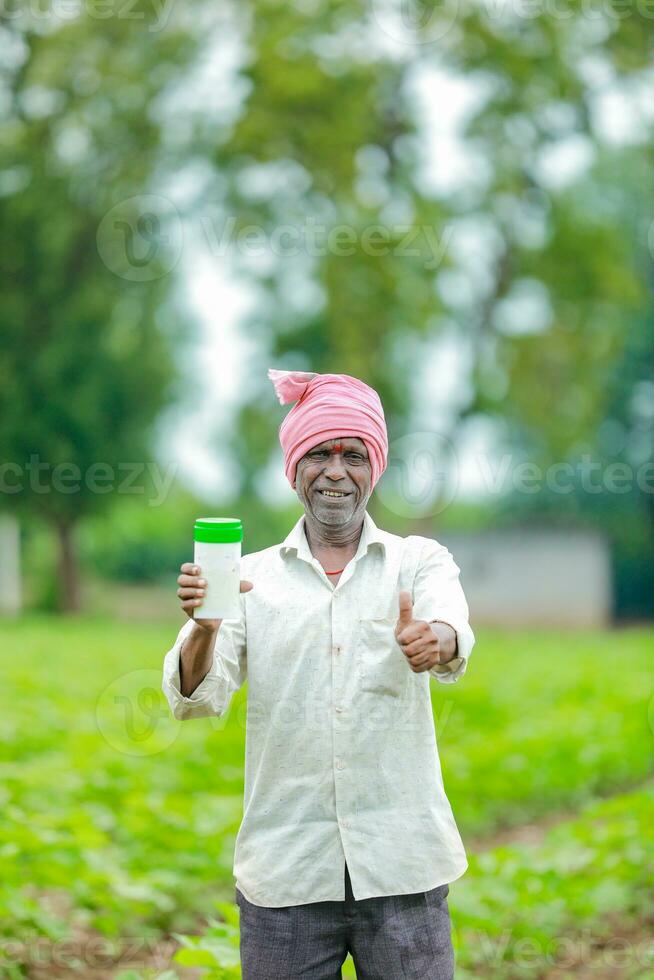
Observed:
{"x":296,"y":540}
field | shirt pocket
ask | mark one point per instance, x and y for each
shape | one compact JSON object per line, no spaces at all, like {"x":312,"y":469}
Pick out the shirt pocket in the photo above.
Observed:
{"x":383,"y":668}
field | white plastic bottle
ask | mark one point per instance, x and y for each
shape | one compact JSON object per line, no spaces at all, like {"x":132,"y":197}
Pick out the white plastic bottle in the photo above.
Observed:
{"x":218,"y":553}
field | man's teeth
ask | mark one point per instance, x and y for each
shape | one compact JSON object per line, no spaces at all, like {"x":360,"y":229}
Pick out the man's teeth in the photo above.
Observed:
{"x":332,"y":493}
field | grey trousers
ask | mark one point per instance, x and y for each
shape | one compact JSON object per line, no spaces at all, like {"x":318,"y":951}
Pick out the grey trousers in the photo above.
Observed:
{"x":395,"y":937}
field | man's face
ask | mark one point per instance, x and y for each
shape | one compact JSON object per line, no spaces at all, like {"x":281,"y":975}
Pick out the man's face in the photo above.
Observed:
{"x":339,"y":465}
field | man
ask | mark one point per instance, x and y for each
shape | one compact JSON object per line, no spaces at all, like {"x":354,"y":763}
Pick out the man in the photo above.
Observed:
{"x":348,"y":841}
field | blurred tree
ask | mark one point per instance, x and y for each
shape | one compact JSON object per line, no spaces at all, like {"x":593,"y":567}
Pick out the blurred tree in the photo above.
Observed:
{"x":559,"y":321}
{"x":319,"y":181}
{"x":327,"y":144}
{"x":87,"y":319}
{"x":581,"y":393}
{"x":326,"y":221}
{"x":568,"y":273}
{"x":543,"y":276}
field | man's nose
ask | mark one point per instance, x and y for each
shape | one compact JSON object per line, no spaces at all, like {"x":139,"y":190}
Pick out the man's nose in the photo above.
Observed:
{"x":335,"y":467}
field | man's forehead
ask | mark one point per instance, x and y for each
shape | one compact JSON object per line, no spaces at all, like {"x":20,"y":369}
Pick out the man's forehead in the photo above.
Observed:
{"x":347,"y":442}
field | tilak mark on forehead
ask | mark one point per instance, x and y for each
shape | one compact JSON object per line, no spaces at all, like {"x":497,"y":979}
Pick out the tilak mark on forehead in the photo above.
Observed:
{"x":338,"y":447}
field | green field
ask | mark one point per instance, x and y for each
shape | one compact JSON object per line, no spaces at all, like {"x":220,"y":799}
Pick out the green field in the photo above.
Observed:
{"x":120,"y":822}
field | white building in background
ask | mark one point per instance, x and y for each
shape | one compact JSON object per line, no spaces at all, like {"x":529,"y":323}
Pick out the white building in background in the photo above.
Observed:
{"x":10,"y":574}
{"x":534,"y":577}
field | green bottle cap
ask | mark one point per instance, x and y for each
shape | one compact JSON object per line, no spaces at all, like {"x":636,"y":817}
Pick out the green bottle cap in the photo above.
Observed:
{"x":218,"y":530}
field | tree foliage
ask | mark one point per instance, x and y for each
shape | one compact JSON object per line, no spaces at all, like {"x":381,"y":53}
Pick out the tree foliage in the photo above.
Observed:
{"x":544,"y":278}
{"x":87,"y":364}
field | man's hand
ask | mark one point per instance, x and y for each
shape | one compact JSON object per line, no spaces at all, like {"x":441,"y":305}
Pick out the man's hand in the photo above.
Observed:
{"x":423,"y":644}
{"x":192,"y":590}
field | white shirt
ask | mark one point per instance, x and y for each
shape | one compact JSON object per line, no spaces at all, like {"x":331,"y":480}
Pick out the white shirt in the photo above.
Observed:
{"x":341,"y":761}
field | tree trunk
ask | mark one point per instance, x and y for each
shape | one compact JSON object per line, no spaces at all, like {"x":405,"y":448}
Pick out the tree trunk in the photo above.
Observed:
{"x":10,"y":572}
{"x":69,"y":592}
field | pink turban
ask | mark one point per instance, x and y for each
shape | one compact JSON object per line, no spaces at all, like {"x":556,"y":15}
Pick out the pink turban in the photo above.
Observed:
{"x":328,"y":406}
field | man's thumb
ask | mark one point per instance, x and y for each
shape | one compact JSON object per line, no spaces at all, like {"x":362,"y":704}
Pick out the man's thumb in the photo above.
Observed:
{"x":406,"y":609}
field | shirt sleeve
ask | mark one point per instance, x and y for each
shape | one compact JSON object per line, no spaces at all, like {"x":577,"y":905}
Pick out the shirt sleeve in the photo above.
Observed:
{"x":226,"y":675}
{"x":437,"y":594}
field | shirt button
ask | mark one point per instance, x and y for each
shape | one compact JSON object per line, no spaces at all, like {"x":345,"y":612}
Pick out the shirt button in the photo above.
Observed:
{"x":338,"y":709}
{"x":340,"y":764}
{"x":345,"y":825}
{"x":336,"y":650}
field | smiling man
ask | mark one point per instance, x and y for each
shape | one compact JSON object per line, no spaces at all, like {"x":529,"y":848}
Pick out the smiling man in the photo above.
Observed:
{"x":348,"y":841}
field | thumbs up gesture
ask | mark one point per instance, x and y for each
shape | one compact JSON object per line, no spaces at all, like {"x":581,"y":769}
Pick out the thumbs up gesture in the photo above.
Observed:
{"x":423,"y":644}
